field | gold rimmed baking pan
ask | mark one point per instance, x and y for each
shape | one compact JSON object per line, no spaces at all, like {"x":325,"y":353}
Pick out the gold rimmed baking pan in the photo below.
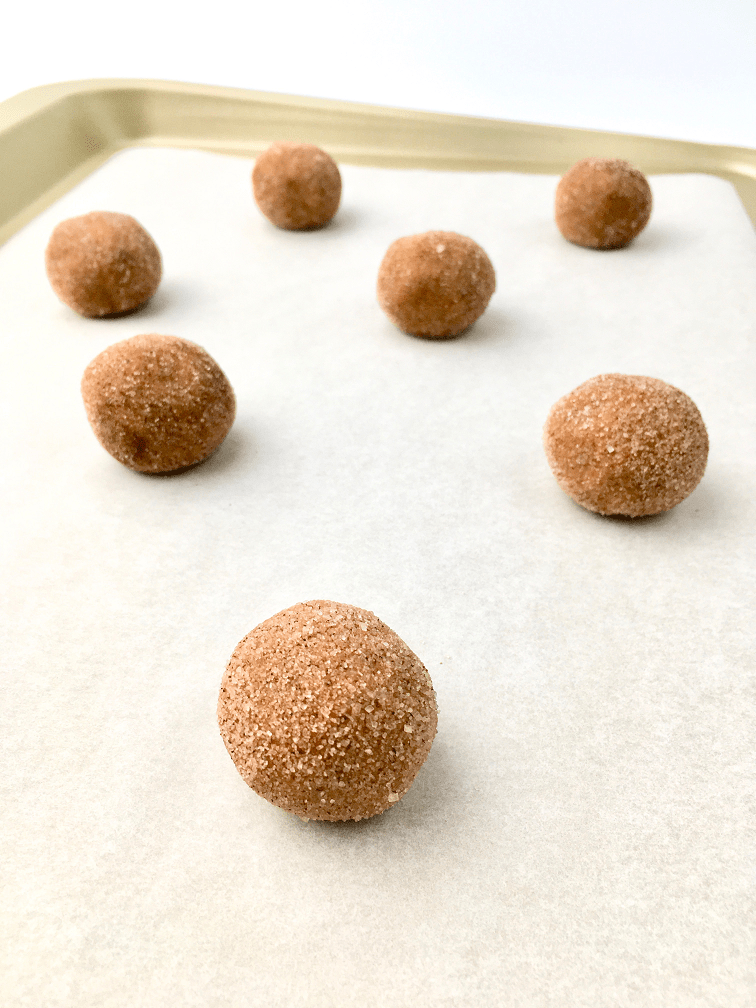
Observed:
{"x":53,"y":136}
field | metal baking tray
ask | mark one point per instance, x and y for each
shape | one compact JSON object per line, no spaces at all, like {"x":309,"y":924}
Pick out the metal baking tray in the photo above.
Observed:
{"x":578,"y":836}
{"x":53,"y":136}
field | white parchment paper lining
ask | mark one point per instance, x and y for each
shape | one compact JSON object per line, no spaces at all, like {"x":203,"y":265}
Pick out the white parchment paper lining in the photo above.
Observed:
{"x":579,"y":834}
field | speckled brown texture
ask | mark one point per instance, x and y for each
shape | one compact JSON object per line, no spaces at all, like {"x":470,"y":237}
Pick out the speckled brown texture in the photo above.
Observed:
{"x":626,"y":445}
{"x":602,"y":203}
{"x":157,"y":403}
{"x":296,"y":185}
{"x":435,"y":284}
{"x":326,"y":712}
{"x":102,"y":264}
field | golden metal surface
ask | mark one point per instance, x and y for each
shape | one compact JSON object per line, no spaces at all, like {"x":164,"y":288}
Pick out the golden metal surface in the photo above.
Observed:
{"x":53,"y":136}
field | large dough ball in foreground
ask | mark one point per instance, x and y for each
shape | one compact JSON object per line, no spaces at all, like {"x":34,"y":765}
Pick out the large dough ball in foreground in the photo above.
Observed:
{"x":157,"y":403}
{"x":435,"y":284}
{"x":602,"y":203}
{"x":296,"y":185}
{"x":102,"y":264}
{"x":626,"y":445}
{"x":326,"y":712}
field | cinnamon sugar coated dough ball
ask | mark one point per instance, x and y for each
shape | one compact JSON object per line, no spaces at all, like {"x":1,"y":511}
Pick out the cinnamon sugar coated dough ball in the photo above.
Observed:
{"x":326,"y":712}
{"x":435,"y":284}
{"x":157,"y":403}
{"x":102,"y":264}
{"x":626,"y":445}
{"x":602,"y":203}
{"x":296,"y":185}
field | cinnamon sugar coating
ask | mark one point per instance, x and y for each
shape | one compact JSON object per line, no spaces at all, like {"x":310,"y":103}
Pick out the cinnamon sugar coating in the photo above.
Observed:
{"x":602,"y":203}
{"x":435,"y":284}
{"x":626,"y":445}
{"x":296,"y":185}
{"x":326,"y":712}
{"x":102,"y":264}
{"x":157,"y":403}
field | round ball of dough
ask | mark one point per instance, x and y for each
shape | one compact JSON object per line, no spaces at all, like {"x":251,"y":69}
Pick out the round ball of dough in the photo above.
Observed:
{"x":602,"y":203}
{"x":296,"y":185}
{"x":157,"y":403}
{"x":626,"y":445}
{"x":102,"y":264}
{"x":326,"y":712}
{"x":435,"y":284}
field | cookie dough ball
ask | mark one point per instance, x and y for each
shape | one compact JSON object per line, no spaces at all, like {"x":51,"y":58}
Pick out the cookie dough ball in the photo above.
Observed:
{"x":435,"y":284}
{"x":626,"y":445}
{"x":102,"y":264}
{"x":602,"y":203}
{"x":157,"y":403}
{"x":326,"y":712}
{"x":296,"y":185}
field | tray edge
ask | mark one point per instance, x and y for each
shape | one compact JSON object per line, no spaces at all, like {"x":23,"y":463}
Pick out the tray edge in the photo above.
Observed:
{"x":53,"y":136}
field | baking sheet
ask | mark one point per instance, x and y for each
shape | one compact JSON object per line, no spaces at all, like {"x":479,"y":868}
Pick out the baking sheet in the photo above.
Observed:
{"x":580,"y":832}
{"x":53,"y":136}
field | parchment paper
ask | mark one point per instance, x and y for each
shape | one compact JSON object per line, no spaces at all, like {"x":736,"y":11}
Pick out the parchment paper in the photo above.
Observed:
{"x":580,"y":833}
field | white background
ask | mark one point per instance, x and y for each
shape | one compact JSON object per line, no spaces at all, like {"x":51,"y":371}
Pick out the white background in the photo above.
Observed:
{"x":676,"y":68}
